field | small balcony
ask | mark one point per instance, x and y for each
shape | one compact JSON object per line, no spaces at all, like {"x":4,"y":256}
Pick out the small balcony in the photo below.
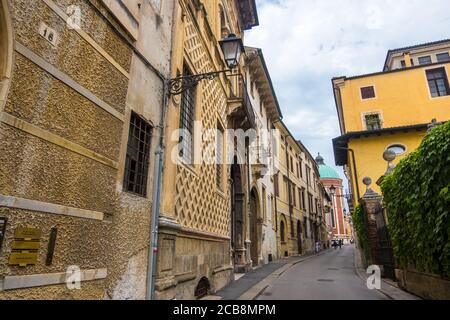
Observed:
{"x":241,"y":106}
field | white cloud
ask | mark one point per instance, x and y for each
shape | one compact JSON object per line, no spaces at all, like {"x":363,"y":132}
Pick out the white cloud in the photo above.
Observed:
{"x":307,"y":42}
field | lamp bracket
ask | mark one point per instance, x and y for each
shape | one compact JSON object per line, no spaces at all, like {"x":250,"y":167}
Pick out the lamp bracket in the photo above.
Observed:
{"x":180,"y":85}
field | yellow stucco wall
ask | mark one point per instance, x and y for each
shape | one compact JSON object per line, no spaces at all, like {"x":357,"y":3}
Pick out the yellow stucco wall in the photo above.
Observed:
{"x":369,"y":155}
{"x":402,"y":97}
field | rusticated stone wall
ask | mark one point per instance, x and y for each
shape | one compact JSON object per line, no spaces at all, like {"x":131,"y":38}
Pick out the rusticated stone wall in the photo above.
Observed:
{"x":63,"y":137}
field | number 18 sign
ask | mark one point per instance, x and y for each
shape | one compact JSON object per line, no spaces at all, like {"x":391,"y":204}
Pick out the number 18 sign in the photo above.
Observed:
{"x":48,"y":33}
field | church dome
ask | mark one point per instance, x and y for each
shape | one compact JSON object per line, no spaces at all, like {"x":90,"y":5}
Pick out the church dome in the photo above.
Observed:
{"x":325,"y":171}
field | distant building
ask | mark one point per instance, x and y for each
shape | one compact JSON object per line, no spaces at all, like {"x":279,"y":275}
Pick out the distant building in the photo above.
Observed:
{"x":298,"y":196}
{"x":390,"y":109}
{"x":333,"y":185}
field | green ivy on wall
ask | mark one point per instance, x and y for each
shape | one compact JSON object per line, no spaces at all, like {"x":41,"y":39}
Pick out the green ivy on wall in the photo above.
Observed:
{"x":360,"y":224}
{"x":417,"y":196}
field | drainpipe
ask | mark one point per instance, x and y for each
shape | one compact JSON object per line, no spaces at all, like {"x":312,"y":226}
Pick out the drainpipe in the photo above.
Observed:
{"x":356,"y":173}
{"x":354,"y":169}
{"x":159,"y":167}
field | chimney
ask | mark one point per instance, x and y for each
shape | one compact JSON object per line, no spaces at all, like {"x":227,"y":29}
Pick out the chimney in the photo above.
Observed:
{"x":407,"y":58}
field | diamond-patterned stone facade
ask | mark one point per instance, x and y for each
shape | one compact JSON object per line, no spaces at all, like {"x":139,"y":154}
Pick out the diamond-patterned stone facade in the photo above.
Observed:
{"x":198,"y":204}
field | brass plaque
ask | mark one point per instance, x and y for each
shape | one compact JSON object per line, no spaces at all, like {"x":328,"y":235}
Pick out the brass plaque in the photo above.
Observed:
{"x":28,"y":233}
{"x":25,"y":245}
{"x":23,"y":258}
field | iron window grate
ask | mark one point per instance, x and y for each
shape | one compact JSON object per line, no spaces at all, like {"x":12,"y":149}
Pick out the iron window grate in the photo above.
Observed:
{"x":187,"y":118}
{"x":138,"y":153}
{"x":219,"y":156}
{"x":373,"y":121}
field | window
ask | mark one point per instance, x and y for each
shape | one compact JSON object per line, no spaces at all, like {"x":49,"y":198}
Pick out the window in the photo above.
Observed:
{"x":397,"y":148}
{"x":292,"y":164}
{"x":292,"y":229}
{"x":224,"y":30}
{"x":300,"y":204}
{"x":443,"y":57}
{"x":438,"y":82}
{"x":301,"y":168}
{"x":272,"y":211}
{"x":425,"y":60}
{"x":373,"y":121}
{"x":333,"y":222}
{"x":368,"y":92}
{"x":264,"y":200}
{"x":294,"y":196}
{"x":305,"y":227}
{"x":308,"y":175}
{"x":403,"y":63}
{"x":287,"y":190}
{"x":282,"y":232}
{"x":187,"y":118}
{"x":302,"y":198}
{"x":310,"y":203}
{"x":276,"y":185}
{"x":219,"y":156}
{"x":137,"y":158}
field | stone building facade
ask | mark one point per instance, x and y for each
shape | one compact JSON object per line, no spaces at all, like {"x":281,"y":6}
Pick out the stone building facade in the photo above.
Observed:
{"x":314,"y":199}
{"x":298,"y":197}
{"x":263,"y":164}
{"x":82,"y":95}
{"x":201,"y":239}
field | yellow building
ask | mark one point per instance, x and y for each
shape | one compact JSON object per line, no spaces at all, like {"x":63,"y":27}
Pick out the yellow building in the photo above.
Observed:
{"x":298,"y":203}
{"x":390,"y":110}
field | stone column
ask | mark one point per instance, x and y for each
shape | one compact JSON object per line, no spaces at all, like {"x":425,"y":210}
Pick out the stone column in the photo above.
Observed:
{"x":371,"y":203}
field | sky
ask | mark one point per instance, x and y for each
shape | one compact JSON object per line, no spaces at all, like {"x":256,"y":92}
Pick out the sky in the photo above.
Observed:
{"x":308,"y":42}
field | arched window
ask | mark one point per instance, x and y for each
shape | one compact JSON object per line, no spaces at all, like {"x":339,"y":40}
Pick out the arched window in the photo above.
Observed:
{"x":282,"y":232}
{"x":203,"y":288}
{"x":5,"y":50}
{"x":224,"y":26}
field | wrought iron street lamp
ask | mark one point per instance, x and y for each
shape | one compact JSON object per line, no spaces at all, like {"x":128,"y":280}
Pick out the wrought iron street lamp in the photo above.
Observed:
{"x":232,"y":48}
{"x":333,"y":190}
{"x":333,"y":193}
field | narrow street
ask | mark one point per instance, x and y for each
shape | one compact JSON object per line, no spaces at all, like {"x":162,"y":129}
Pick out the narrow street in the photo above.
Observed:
{"x":330,"y":276}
